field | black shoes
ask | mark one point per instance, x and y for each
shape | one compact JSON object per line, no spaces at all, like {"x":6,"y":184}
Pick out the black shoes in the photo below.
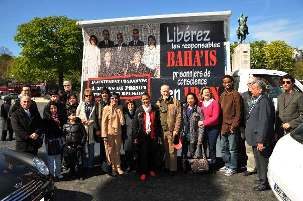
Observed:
{"x":261,"y":187}
{"x":247,"y":173}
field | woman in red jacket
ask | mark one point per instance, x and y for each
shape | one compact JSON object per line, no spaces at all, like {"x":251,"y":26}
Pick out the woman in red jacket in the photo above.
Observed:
{"x":211,"y":112}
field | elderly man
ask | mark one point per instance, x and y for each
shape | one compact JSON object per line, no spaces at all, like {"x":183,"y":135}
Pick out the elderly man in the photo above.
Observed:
{"x":26,"y":91}
{"x":247,"y":101}
{"x":290,"y":107}
{"x":259,"y":130}
{"x":170,"y":116}
{"x":67,"y":85}
{"x":26,"y":122}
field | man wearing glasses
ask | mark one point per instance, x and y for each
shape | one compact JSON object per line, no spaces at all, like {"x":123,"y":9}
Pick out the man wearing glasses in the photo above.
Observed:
{"x":290,"y":106}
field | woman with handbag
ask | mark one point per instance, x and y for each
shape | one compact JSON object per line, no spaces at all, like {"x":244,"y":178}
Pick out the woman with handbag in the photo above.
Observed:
{"x":146,"y":136}
{"x":112,"y":122}
{"x":52,"y":126}
{"x":192,"y":133}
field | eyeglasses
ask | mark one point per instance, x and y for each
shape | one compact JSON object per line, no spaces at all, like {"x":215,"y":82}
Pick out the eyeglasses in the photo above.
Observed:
{"x":286,"y":82}
{"x":67,"y":85}
{"x":113,"y":98}
{"x":87,"y":95}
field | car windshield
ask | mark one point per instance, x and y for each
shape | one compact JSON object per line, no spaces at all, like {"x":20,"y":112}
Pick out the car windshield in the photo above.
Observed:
{"x":297,"y":134}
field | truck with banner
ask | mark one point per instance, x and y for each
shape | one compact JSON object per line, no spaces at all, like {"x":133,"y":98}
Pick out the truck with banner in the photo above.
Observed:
{"x":135,"y":55}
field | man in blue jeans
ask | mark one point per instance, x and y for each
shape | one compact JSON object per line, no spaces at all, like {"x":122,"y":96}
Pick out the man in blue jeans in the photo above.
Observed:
{"x":230,"y":103}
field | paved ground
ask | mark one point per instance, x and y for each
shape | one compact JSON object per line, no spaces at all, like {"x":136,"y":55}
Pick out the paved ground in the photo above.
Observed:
{"x":182,"y":187}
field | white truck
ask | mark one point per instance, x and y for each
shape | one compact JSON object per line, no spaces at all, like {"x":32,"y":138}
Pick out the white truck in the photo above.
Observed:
{"x":271,"y":77}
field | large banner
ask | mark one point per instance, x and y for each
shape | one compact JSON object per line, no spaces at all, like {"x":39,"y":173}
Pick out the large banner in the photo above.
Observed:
{"x":138,"y":58}
{"x":192,"y":54}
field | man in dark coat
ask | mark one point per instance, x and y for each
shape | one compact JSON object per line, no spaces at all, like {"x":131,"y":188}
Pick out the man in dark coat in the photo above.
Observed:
{"x":26,"y":123}
{"x":259,"y":130}
{"x":290,"y":107}
{"x":26,"y":91}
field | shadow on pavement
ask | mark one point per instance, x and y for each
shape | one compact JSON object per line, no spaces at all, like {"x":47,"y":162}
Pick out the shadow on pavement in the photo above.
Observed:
{"x":181,"y":187}
{"x":72,"y":195}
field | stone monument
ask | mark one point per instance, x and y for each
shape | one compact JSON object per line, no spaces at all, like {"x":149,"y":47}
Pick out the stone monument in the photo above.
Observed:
{"x":241,"y":55}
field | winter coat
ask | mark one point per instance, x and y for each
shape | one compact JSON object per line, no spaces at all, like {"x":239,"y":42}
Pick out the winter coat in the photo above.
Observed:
{"x":191,"y":131}
{"x":127,"y":131}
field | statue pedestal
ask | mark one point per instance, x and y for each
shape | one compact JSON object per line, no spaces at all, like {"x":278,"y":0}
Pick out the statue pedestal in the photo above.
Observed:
{"x":241,"y":57}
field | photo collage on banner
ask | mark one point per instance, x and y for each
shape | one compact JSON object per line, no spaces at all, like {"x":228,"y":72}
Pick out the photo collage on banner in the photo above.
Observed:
{"x":138,"y":58}
{"x":121,"y":58}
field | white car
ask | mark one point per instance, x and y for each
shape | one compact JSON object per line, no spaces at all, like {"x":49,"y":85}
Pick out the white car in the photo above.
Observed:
{"x":285,"y":168}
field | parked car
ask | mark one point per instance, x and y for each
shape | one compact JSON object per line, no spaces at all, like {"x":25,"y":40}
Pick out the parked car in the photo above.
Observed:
{"x":24,"y":177}
{"x":285,"y":168}
{"x":10,"y":95}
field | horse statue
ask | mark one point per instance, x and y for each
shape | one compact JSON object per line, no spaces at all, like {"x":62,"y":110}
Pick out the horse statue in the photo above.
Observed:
{"x":242,"y":30}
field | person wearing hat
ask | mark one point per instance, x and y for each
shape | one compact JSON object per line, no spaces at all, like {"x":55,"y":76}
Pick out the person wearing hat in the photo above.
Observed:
{"x":170,"y":115}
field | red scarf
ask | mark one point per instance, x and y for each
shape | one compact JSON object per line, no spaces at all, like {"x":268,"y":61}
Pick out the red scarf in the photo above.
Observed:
{"x":152,"y":127}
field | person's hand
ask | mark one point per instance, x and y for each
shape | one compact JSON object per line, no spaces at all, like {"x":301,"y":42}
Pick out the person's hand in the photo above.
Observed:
{"x":260,"y":147}
{"x":175,"y":133}
{"x":286,"y":126}
{"x":89,"y":122}
{"x":34,"y":136}
{"x":200,"y":123}
{"x":135,"y":141}
{"x":231,"y":130}
{"x":98,"y":133}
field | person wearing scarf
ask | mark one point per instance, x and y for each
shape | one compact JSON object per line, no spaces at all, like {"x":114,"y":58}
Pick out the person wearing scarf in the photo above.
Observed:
{"x":112,"y":122}
{"x":146,"y":134}
{"x":53,"y":139}
{"x":88,"y":114}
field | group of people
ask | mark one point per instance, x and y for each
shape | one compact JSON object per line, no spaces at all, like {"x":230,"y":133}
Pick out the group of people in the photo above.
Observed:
{"x":105,"y":58}
{"x":146,"y":138}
